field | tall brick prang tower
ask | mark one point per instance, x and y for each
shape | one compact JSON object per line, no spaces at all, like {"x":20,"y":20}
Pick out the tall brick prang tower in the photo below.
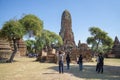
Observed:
{"x":66,"y":29}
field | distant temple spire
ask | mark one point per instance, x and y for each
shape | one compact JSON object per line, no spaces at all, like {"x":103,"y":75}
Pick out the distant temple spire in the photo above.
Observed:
{"x":66,"y":29}
{"x":116,"y":42}
{"x":79,"y":43}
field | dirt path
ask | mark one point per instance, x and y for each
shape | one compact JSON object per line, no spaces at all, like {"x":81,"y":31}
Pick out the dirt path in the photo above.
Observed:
{"x":28,"y":69}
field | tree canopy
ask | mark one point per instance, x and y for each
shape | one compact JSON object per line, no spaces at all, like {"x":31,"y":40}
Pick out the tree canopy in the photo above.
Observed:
{"x":32,"y":24}
{"x":47,"y":38}
{"x":30,"y":45}
{"x":12,"y":29}
{"x":98,"y":39}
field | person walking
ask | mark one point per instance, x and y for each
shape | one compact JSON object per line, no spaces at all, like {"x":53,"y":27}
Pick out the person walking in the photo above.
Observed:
{"x":97,"y":65}
{"x":60,"y":61}
{"x":80,"y":62}
{"x":68,"y":61}
{"x":101,"y":63}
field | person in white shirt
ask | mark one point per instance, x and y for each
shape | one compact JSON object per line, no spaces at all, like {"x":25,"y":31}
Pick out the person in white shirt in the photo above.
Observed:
{"x":97,"y":60}
{"x":60,"y":55}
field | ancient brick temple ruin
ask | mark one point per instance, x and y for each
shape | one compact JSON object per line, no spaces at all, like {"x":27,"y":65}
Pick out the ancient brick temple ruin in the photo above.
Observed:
{"x":5,"y":50}
{"x":68,"y":39}
{"x":68,"y":43}
{"x":22,"y":49}
{"x":115,"y":49}
{"x":66,"y":30}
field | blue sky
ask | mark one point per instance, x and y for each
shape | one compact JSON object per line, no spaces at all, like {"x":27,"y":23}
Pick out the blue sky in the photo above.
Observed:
{"x":104,"y":14}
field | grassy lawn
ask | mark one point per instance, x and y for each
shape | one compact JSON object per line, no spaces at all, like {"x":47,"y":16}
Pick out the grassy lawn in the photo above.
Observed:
{"x":27,"y":69}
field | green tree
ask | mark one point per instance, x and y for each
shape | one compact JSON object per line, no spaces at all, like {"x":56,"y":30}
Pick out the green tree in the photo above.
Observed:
{"x":46,"y":39}
{"x":99,"y":40}
{"x":12,"y":30}
{"x":32,"y":24}
{"x":30,"y":45}
{"x":52,"y":38}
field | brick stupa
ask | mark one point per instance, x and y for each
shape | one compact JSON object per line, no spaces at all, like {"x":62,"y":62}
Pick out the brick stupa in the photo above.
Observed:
{"x":116,"y":48}
{"x":66,"y":30}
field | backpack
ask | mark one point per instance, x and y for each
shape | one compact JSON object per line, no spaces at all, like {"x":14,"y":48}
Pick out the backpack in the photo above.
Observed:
{"x":101,"y":59}
{"x":68,"y":59}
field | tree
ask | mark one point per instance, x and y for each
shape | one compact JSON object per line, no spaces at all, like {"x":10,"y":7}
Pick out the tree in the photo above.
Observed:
{"x":46,"y":39}
{"x":12,"y":30}
{"x":52,"y":38}
{"x":99,"y":39}
{"x":32,"y":24}
{"x":30,"y":44}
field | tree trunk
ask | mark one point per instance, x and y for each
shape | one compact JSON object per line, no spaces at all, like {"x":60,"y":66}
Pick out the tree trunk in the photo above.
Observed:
{"x":14,"y":52}
{"x":93,"y":52}
{"x":98,"y":45}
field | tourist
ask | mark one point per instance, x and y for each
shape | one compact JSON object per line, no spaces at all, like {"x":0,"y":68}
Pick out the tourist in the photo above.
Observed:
{"x":97,"y":60}
{"x":60,"y":61}
{"x":101,"y":63}
{"x":68,"y":60}
{"x":80,"y":62}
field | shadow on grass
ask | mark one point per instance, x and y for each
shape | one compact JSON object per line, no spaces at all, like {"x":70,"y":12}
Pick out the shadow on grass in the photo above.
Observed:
{"x":110,"y":72}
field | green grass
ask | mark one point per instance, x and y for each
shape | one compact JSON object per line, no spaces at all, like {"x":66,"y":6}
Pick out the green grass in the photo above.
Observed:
{"x":27,"y":69}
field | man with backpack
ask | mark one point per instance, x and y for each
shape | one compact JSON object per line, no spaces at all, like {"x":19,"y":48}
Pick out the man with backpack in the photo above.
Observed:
{"x":80,"y":62}
{"x":101,"y":63}
{"x":68,"y":60}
